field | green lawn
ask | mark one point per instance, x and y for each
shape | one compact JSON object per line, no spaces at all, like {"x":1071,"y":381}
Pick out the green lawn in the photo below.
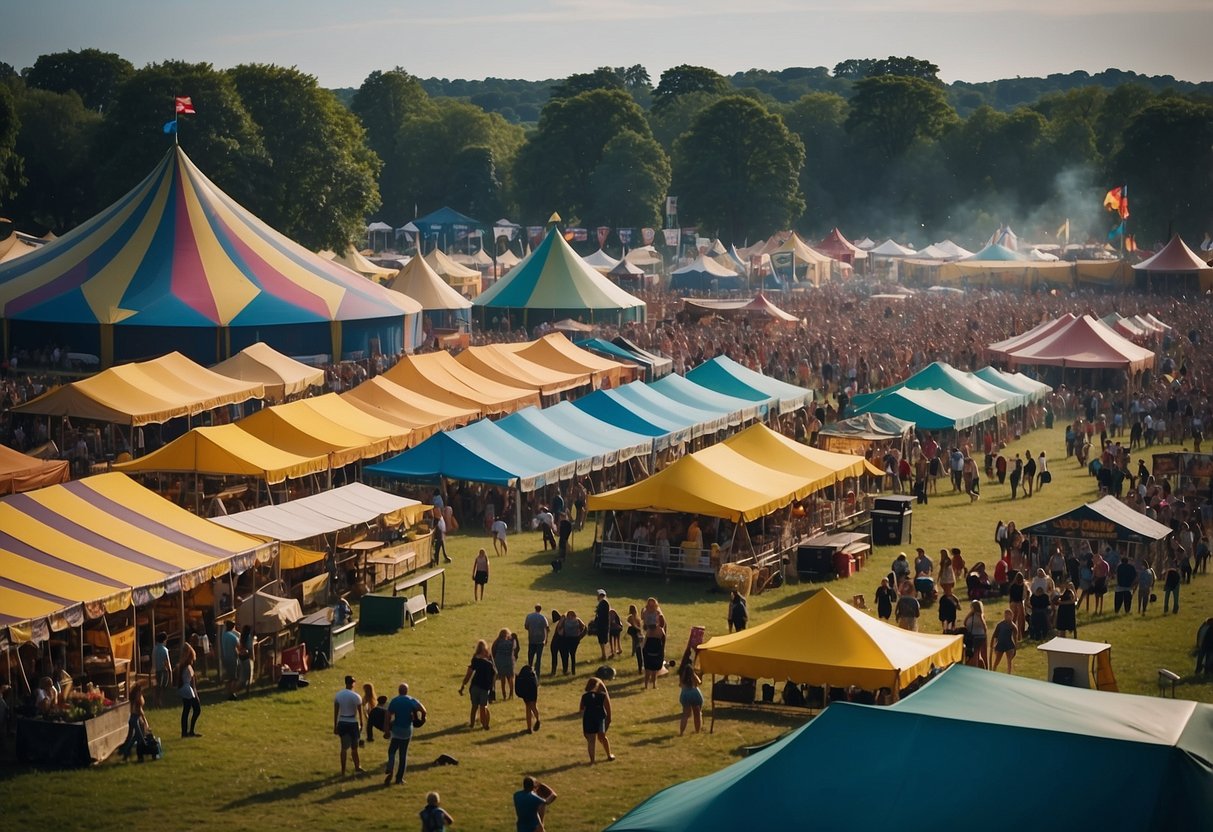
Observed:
{"x":271,"y":760}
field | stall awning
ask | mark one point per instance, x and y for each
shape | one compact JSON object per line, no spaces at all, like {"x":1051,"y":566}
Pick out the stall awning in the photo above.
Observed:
{"x":557,"y":352}
{"x":931,"y":409}
{"x":725,"y":375}
{"x":281,"y":376}
{"x":424,"y":416}
{"x":19,"y":472}
{"x":512,"y":368}
{"x":229,"y":451}
{"x":145,"y":392}
{"x":1105,"y":519}
{"x":680,"y":389}
{"x":439,"y":376}
{"x":323,"y":513}
{"x":300,"y":428}
{"x":75,"y":551}
{"x":824,"y":641}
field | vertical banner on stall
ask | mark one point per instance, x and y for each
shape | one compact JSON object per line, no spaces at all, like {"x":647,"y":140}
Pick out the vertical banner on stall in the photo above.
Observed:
{"x":604,"y":231}
{"x":671,"y":236}
{"x":648,"y":235}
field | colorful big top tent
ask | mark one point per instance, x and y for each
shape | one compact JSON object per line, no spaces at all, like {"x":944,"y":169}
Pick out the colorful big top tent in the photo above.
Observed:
{"x":1164,"y":746}
{"x":553,"y":282}
{"x":177,"y":261}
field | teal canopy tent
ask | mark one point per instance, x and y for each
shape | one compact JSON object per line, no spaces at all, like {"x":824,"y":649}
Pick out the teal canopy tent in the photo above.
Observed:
{"x":724,"y":375}
{"x":1152,"y":758}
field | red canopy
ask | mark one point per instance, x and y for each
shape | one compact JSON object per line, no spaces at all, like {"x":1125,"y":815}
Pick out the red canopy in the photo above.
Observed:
{"x":19,"y":472}
{"x":999,"y":349}
{"x":840,"y":248}
{"x":1174,"y":257}
{"x":1085,"y":342}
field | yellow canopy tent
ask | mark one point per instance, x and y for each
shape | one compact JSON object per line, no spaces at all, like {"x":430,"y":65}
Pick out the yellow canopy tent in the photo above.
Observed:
{"x":824,"y":641}
{"x":227,"y":450}
{"x":559,"y":353}
{"x":817,"y":265}
{"x":75,"y":551}
{"x":439,"y":376}
{"x":777,"y":451}
{"x":280,"y":375}
{"x":354,"y":260}
{"x":463,"y":280}
{"x":510,"y":367}
{"x":145,"y":392}
{"x":424,"y":416}
{"x":339,"y":411}
{"x":300,"y":429}
{"x":717,"y":482}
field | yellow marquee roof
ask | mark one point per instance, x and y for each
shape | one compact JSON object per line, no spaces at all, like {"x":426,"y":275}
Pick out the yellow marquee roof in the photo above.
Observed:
{"x":511,"y":367}
{"x":744,"y":478}
{"x":420,"y":282}
{"x":77,"y":550}
{"x":309,"y":430}
{"x":424,"y":416}
{"x":824,"y":641}
{"x":446,"y":267}
{"x":439,"y":376}
{"x":559,"y":353}
{"x":281,"y":375}
{"x":227,"y":450}
{"x":144,"y":392}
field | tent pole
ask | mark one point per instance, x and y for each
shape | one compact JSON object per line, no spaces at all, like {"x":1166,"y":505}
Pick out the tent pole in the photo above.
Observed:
{"x":712,"y":726}
{"x":518,"y":509}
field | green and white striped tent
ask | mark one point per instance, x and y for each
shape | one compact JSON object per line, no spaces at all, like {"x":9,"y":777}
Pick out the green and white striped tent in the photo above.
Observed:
{"x":552,"y":283}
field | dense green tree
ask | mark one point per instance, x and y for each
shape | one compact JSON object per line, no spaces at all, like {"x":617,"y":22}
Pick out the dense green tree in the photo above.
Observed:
{"x":434,"y":142}
{"x":554,"y":167}
{"x":907,"y":67}
{"x":474,"y":187}
{"x":819,"y":119}
{"x":683,"y":79}
{"x":221,"y":138}
{"x":387,"y":103}
{"x":854,"y":68}
{"x":11,"y":178}
{"x":629,"y":185}
{"x":675,"y":118}
{"x":890,"y":112}
{"x":603,"y":78}
{"x":322,"y":181}
{"x":57,"y":134}
{"x":737,"y":171}
{"x":1167,"y":162}
{"x":1119,"y":107}
{"x":94,"y":75}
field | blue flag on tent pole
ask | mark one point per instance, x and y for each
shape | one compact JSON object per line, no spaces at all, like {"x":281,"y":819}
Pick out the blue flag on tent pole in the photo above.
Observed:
{"x":1117,"y":231}
{"x":170,"y":127}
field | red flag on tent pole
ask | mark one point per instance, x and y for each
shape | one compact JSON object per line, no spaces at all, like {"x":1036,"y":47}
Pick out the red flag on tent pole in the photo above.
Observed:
{"x":1117,"y":200}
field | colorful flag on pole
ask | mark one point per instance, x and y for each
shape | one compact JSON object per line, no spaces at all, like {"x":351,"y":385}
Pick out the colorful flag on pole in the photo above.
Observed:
{"x":604,"y":231}
{"x":1064,"y":231}
{"x":1130,"y":243}
{"x":1117,"y":200}
{"x":170,"y":127}
{"x":184,"y":105}
{"x":1117,"y":231}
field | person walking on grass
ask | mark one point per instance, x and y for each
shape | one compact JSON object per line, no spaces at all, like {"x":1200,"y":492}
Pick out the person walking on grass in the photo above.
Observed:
{"x":1006,"y":637}
{"x":505,"y":653}
{"x":499,"y":530}
{"x":481,"y":673}
{"x":480,"y":575}
{"x":908,"y":611}
{"x":529,"y":806}
{"x":596,"y":717}
{"x":347,"y":723}
{"x":526,"y":685}
{"x":191,"y":705}
{"x":403,"y":713}
{"x":602,"y":622}
{"x":537,"y":631}
{"x":689,"y":695}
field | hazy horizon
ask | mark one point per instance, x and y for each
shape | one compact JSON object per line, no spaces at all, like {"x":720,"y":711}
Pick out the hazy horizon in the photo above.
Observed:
{"x":979,"y":40}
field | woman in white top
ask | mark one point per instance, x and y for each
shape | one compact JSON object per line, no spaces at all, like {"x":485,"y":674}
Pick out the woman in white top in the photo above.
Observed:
{"x":975,"y":636}
{"x":1042,"y":468}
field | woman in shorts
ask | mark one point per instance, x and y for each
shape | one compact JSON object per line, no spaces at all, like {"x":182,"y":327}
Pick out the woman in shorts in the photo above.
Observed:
{"x":689,"y":695}
{"x":480,"y":575}
{"x":1005,"y":639}
{"x":505,"y":651}
{"x":479,"y":681}
{"x":975,"y":636}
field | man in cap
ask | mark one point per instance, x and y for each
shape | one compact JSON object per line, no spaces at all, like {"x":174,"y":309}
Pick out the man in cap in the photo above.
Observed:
{"x":347,"y":722}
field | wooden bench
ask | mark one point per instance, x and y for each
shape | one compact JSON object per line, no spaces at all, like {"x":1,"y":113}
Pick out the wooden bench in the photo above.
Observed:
{"x":415,"y":610}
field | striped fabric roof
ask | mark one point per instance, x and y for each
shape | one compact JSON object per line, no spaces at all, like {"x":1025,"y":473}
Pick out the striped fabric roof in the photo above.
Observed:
{"x":177,"y":251}
{"x":75,"y":551}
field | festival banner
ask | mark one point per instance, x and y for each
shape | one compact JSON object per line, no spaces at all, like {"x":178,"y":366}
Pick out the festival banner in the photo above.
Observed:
{"x":535,"y":234}
{"x":604,"y":231}
{"x":648,"y":235}
{"x":625,"y":235}
{"x":671,"y":236}
{"x":579,"y":234}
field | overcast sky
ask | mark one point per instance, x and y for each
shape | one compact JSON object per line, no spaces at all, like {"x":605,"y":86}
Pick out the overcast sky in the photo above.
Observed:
{"x":341,"y":42}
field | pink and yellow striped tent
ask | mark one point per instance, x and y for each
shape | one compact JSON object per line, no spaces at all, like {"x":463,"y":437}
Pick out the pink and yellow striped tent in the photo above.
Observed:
{"x":177,"y":264}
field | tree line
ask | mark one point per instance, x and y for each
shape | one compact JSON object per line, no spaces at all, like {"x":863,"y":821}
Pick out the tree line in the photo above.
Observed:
{"x":878,"y":146}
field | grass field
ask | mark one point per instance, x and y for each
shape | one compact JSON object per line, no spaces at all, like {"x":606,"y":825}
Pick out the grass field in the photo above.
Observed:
{"x":271,"y":760}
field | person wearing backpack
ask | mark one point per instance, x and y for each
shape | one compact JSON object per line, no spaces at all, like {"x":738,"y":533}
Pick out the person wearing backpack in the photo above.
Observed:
{"x":433,"y":817}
